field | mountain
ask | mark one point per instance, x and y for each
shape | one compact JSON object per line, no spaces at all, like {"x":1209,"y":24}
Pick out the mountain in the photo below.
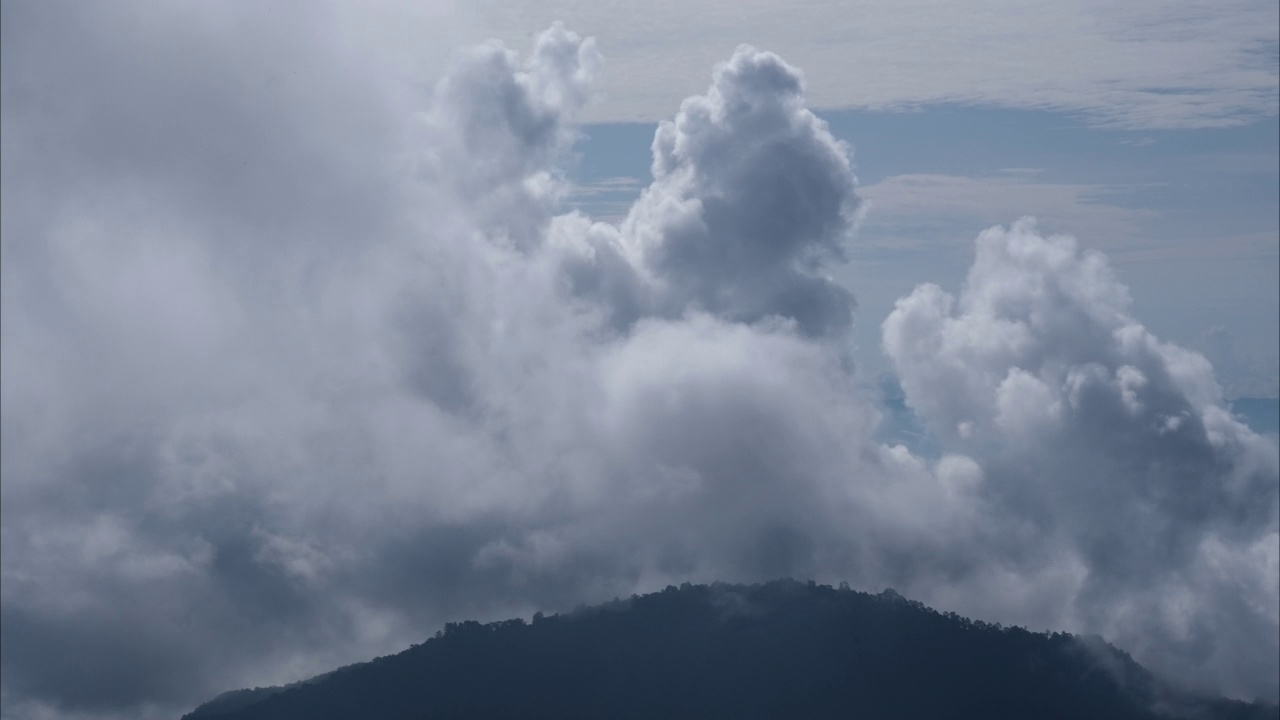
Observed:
{"x":782,"y":649}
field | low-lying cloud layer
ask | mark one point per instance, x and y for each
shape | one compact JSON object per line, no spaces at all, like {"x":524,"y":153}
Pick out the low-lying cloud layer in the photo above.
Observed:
{"x":298,"y":365}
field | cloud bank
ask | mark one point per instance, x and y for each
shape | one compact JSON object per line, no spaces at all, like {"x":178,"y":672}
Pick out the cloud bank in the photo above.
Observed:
{"x":299,"y":364}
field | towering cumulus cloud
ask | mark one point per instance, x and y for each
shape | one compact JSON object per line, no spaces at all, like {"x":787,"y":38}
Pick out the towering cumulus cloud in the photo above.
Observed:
{"x":751,"y":198}
{"x":497,"y":126}
{"x":1108,"y":443}
{"x":300,"y":362}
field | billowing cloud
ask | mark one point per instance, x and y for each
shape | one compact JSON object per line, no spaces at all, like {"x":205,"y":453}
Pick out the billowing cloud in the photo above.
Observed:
{"x":497,"y":125}
{"x":1111,"y":443}
{"x":751,"y":198}
{"x":299,"y":364}
{"x":276,"y":398}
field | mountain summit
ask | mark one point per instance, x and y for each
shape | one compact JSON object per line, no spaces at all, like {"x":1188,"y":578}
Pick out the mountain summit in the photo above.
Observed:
{"x":782,"y":649}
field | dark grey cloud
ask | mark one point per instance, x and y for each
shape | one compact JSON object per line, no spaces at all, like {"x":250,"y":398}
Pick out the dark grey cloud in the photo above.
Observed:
{"x":300,"y":362}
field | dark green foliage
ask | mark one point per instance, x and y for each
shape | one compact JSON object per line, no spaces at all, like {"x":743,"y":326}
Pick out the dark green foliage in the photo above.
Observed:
{"x":229,"y":702}
{"x":779,"y":650}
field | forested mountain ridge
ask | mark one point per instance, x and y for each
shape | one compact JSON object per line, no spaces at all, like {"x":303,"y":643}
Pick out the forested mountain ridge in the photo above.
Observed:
{"x":782,"y":649}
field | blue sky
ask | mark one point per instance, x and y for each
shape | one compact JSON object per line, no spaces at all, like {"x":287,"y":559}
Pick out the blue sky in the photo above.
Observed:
{"x":1189,"y":217}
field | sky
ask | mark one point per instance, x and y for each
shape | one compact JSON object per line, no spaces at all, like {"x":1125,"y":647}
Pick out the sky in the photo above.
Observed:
{"x":324,"y":324}
{"x":1188,"y":217}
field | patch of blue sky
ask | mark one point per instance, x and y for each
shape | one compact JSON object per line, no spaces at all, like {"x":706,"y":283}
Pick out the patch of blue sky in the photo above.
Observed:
{"x":1190,"y":217}
{"x":614,"y":150}
{"x":1260,"y":414}
{"x":900,"y":425}
{"x":1177,"y":171}
{"x":958,"y":140}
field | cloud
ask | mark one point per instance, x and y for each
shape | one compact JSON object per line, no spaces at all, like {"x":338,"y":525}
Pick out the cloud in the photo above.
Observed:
{"x":1115,"y":445}
{"x":752,"y":197}
{"x":497,"y":124}
{"x":292,"y":374}
{"x":1138,"y":66}
{"x":300,"y":362}
{"x":922,"y":210}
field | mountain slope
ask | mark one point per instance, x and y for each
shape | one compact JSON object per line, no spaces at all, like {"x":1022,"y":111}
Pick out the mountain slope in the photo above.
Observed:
{"x":778,"y":650}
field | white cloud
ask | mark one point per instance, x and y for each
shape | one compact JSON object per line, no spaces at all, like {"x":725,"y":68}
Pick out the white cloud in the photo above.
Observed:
{"x":751,"y":199}
{"x":306,"y":395}
{"x":1117,"y":445}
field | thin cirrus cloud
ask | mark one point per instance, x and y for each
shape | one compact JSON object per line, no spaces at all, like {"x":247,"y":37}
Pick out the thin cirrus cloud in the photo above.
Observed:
{"x":296,"y":369}
{"x":1136,"y":65}
{"x":912,"y":210}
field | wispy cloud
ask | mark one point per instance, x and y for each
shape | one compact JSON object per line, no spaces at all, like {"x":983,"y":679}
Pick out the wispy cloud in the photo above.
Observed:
{"x":606,"y":199}
{"x":1147,"y":64}
{"x":918,"y":210}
